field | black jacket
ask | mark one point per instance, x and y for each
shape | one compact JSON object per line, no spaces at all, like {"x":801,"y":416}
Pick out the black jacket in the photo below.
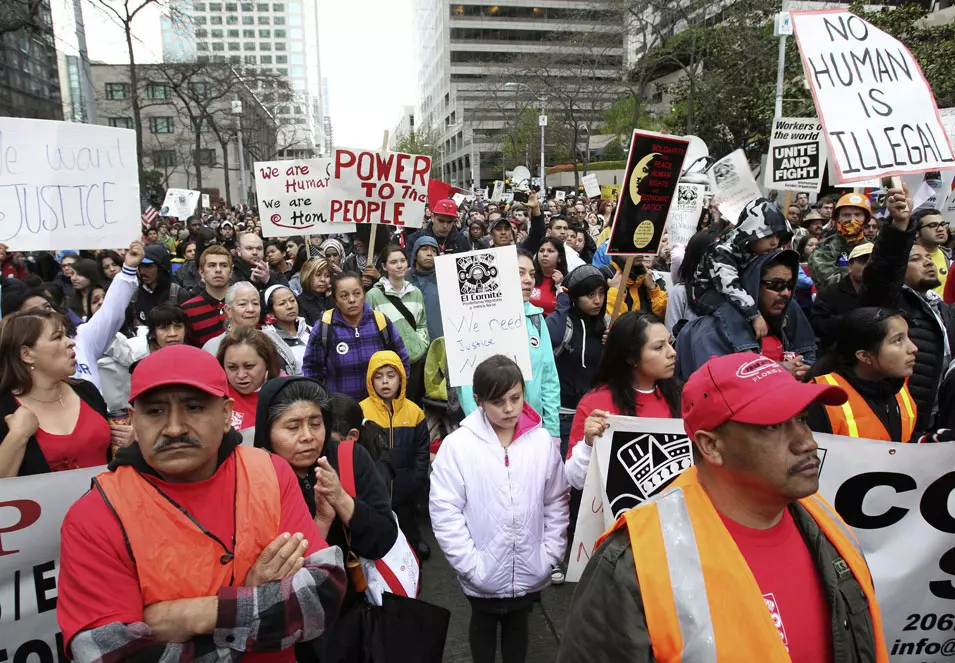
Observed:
{"x":455,"y":242}
{"x":33,"y":460}
{"x":311,"y":305}
{"x":884,"y":285}
{"x":575,"y":368}
{"x":880,"y":397}
{"x":242,"y":271}
{"x":832,"y":303}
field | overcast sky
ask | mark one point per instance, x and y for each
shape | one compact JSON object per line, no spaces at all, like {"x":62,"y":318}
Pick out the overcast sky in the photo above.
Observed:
{"x":367,"y":53}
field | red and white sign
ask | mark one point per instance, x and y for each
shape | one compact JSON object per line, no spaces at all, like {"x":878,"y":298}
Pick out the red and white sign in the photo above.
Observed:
{"x":379,"y":187}
{"x":295,"y":197}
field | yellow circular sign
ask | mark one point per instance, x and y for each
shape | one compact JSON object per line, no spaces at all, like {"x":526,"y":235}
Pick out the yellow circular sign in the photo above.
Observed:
{"x":643,"y":235}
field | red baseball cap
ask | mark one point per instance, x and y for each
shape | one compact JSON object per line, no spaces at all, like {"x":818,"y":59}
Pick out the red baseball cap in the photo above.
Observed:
{"x":445,"y":207}
{"x":179,"y":364}
{"x":751,"y":389}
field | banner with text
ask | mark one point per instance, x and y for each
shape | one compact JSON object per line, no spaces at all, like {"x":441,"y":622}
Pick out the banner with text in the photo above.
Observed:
{"x":483,"y":311}
{"x":379,"y":187}
{"x":65,"y":185}
{"x":295,"y":198}
{"x":685,"y":213}
{"x":591,"y":185}
{"x":877,"y":108}
{"x":733,"y":185}
{"x":797,"y":155}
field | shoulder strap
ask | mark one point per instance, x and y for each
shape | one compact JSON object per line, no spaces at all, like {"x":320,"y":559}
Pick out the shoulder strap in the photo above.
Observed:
{"x":325,"y":333}
{"x":402,"y":309}
{"x":568,"y":335}
{"x":346,"y":466}
{"x":384,"y":330}
{"x":536,"y":321}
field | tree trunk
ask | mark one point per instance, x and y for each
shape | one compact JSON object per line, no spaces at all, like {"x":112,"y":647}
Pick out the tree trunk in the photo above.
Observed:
{"x":225,"y":169}
{"x":134,"y":99}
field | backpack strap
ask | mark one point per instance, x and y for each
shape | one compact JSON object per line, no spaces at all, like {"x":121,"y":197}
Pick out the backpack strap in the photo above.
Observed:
{"x":326,"y":331}
{"x":536,"y":321}
{"x":568,"y":335}
{"x":384,"y":331}
{"x":346,"y":466}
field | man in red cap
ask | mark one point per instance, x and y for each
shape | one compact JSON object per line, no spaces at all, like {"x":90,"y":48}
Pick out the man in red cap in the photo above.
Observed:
{"x":192,"y":547}
{"x":444,"y":229}
{"x":739,"y":559}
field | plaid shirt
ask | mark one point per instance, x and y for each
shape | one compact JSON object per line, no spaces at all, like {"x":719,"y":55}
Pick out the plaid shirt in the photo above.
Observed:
{"x":351,"y":348}
{"x":268,"y":618}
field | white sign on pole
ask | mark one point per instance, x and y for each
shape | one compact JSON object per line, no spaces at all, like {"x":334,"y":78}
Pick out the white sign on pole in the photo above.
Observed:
{"x":458,"y":198}
{"x":591,"y":185}
{"x":65,"y":185}
{"x":482,"y":309}
{"x":180,"y":203}
{"x":295,"y":198}
{"x":878,"y":110}
{"x":206,"y":203}
{"x":498,"y":191}
{"x":685,"y":212}
{"x":31,"y":513}
{"x":379,"y":187}
{"x":797,"y":155}
{"x":542,"y":120}
{"x":733,"y":184}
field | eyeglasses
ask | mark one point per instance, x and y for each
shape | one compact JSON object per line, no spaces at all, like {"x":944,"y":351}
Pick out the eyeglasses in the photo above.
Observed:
{"x":935,"y":224}
{"x":779,"y":285}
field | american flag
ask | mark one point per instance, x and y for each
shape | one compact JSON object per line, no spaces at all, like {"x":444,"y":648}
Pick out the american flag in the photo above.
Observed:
{"x":150,"y":215}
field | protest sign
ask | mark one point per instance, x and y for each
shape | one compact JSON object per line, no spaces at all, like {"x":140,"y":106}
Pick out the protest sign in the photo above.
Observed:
{"x":206,"y":203}
{"x":589,"y":527}
{"x":560,"y":196}
{"x":65,"y":185}
{"x":591,"y":185}
{"x":610,"y":191}
{"x":498,"y":190}
{"x":295,"y":197}
{"x":482,"y":309}
{"x":878,"y":110}
{"x":653,"y":171}
{"x":733,"y":185}
{"x":379,"y":187}
{"x":31,"y":512}
{"x":797,"y":155}
{"x":948,"y":212}
{"x":685,"y":212}
{"x":458,"y":198}
{"x":180,"y":203}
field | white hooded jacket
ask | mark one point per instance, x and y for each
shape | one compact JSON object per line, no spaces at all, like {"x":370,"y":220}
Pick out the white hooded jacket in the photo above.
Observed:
{"x":500,"y":515}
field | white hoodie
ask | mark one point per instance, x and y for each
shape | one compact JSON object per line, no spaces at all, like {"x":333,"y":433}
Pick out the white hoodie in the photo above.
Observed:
{"x":501,"y":524}
{"x":93,"y":337}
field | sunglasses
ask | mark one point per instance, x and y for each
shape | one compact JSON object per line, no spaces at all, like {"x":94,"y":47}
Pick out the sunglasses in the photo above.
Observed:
{"x":779,"y":285}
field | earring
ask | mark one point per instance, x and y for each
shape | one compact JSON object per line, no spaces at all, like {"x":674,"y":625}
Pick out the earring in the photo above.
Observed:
{"x":32,"y":367}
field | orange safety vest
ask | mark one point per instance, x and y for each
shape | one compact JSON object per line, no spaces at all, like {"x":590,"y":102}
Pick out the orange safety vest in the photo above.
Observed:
{"x":175,"y":557}
{"x":700,"y":599}
{"x":855,"y":418}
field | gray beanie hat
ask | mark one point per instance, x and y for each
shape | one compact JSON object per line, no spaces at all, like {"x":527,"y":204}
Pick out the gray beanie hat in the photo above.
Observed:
{"x":584,"y":280}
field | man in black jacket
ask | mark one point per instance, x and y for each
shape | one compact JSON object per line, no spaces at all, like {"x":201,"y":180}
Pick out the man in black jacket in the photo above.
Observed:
{"x":449,"y":238}
{"x":834,"y":301}
{"x":250,"y":264}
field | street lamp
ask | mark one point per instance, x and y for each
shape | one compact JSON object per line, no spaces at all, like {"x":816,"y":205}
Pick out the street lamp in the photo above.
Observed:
{"x":237,"y":111}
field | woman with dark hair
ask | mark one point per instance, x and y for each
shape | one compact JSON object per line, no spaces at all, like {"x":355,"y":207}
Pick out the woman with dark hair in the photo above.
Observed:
{"x":249,"y":359}
{"x":288,"y":326}
{"x":805,"y":288}
{"x":872,"y":360}
{"x":110,"y":264}
{"x":167,"y":326}
{"x":550,"y":266}
{"x":298,"y":262}
{"x":678,"y":311}
{"x":86,"y":275}
{"x":316,"y":283}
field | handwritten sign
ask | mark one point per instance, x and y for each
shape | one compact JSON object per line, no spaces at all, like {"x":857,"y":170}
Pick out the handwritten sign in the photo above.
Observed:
{"x":498,"y":191}
{"x":379,"y":187}
{"x":295,"y":197}
{"x":483,"y":310}
{"x":591,"y":185}
{"x":67,"y":186}
{"x":733,"y":184}
{"x":180,"y":203}
{"x":797,"y":155}
{"x":685,"y":212}
{"x":206,"y":202}
{"x":878,"y":110}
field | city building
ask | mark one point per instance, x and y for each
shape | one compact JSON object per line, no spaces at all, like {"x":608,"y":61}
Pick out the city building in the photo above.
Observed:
{"x":29,"y":78}
{"x":404,"y":126}
{"x":277,"y":38}
{"x":76,"y":85}
{"x":487,"y":69}
{"x":190,"y":134}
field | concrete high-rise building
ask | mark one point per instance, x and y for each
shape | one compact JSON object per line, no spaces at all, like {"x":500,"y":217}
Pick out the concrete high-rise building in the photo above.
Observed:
{"x":403,"y":127}
{"x":29,"y":82}
{"x":76,"y":87}
{"x":484,"y":67}
{"x":278,"y":39}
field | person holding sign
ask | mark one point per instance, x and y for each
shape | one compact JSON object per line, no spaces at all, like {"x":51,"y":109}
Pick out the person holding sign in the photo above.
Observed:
{"x":740,"y":558}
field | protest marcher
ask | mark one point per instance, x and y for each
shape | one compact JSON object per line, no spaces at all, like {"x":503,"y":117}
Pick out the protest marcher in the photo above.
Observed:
{"x":743,"y":523}
{"x":155,"y":282}
{"x":67,"y":259}
{"x":932,"y":234}
{"x":363,"y":257}
{"x":542,"y":392}
{"x":11,"y":265}
{"x":448,"y":238}
{"x":388,"y":406}
{"x":226,"y":232}
{"x":116,"y":362}
{"x":189,"y":276}
{"x":828,"y":262}
{"x":345,"y":338}
{"x":477,"y":235}
{"x":678,"y":311}
{"x":110,"y":263}
{"x":550,"y":268}
{"x":250,"y":265}
{"x":348,"y":422}
{"x":835,"y":300}
{"x":642,"y":292}
{"x":289,"y":327}
{"x":501,"y":542}
{"x":870,"y":230}
{"x":166,"y":325}
{"x":249,"y":359}
{"x":770,"y":280}
{"x":294,"y":424}
{"x":206,"y":311}
{"x":805,"y":288}
{"x":315,"y":298}
{"x":333,"y":251}
{"x":50,"y":422}
{"x":275,"y":257}
{"x":424,"y":278}
{"x":86,"y":277}
{"x":190,"y":483}
{"x":871,"y":360}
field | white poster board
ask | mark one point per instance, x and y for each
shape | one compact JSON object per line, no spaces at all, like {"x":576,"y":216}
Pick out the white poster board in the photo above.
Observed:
{"x":877,"y":108}
{"x":180,"y":203}
{"x":379,"y":187}
{"x":733,"y":185}
{"x":498,"y":191}
{"x":684,"y":215}
{"x":206,"y":202}
{"x":591,"y":185}
{"x":295,"y":198}
{"x":482,"y":309}
{"x":797,"y":155}
{"x":65,"y":185}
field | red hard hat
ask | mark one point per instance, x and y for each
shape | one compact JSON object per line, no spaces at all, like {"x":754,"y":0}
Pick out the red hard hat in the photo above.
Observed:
{"x":445,"y":207}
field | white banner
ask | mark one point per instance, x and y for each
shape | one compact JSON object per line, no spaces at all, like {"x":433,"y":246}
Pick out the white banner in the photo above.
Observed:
{"x":295,"y":198}
{"x":591,"y":185}
{"x":733,"y":185}
{"x":684,"y":215}
{"x":206,"y":203}
{"x":797,"y":155}
{"x":896,"y":497}
{"x":31,"y":512}
{"x":180,"y":203}
{"x":379,"y":187}
{"x":878,"y":110}
{"x":67,"y":186}
{"x":498,"y":191}
{"x":483,"y":311}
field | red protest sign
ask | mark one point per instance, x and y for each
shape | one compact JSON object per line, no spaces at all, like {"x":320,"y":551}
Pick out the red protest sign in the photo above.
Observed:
{"x":379,"y":187}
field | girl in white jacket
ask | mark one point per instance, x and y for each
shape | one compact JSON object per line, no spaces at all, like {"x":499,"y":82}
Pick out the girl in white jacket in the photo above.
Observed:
{"x":499,"y":509}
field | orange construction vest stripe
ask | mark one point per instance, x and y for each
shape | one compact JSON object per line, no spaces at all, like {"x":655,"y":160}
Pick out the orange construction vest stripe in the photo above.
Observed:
{"x":855,"y":418}
{"x":174,"y":557}
{"x":701,"y":601}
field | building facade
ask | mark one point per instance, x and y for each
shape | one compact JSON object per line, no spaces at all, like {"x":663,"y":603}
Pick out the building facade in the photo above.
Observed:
{"x":29,"y":78}
{"x":403,"y":127}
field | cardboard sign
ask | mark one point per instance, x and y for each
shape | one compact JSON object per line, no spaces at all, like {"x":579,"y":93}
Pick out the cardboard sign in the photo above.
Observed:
{"x":498,"y":191}
{"x":65,"y":185}
{"x":878,"y":110}
{"x":797,"y":155}
{"x":180,"y":203}
{"x":459,"y":198}
{"x":591,"y":185}
{"x":685,"y":213}
{"x":610,"y":191}
{"x":206,"y":203}
{"x":560,"y":196}
{"x":295,"y":198}
{"x":653,"y":171}
{"x":379,"y":187}
{"x":482,"y":309}
{"x":733,"y":184}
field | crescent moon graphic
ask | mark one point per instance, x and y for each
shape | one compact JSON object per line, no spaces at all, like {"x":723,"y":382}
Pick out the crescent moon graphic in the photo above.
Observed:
{"x":641,"y":171}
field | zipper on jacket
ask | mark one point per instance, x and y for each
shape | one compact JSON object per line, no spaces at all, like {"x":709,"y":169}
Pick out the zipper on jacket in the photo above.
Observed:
{"x":356,"y":333}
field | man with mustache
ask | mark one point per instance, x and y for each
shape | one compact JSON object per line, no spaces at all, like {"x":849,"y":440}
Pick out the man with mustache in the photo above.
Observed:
{"x":192,"y":547}
{"x":739,"y":558}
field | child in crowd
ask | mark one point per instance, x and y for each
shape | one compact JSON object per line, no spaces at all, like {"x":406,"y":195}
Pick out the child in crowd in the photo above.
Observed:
{"x":761,"y":229}
{"x":499,"y":509}
{"x":408,"y":440}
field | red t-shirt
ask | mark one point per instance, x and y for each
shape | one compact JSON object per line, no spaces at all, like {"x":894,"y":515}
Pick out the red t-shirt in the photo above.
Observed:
{"x":771,"y":347}
{"x":243,"y":410}
{"x":98,"y":584}
{"x":649,"y":405}
{"x":86,"y":446}
{"x":544,"y":295}
{"x":787,"y":576}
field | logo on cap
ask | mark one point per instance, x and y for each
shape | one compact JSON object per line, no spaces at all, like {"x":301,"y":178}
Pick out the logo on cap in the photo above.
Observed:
{"x":757,"y":369}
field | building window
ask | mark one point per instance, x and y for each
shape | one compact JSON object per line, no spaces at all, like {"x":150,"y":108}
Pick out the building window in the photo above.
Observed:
{"x":281,"y":59}
{"x":202,"y":59}
{"x":162,"y":125}
{"x":231,"y":19}
{"x":232,"y":34}
{"x":246,"y":6}
{"x":248,"y":46}
{"x":263,"y":20}
{"x":157,"y":91}
{"x":250,"y":59}
{"x":215,"y":20}
{"x":278,"y":7}
{"x":202,"y":46}
{"x":280,"y":34}
{"x":283,"y":72}
{"x":248,"y":20}
{"x":121,"y":122}
{"x":201,"y":89}
{"x":215,"y":6}
{"x":266,"y":59}
{"x":265,"y":46}
{"x":235,"y":59}
{"x":248,"y":34}
{"x":200,"y":124}
{"x":200,"y":6}
{"x":217,"y":34}
{"x":231,"y":7}
{"x":233,"y":45}
{"x":200,"y":20}
{"x":297,"y":58}
{"x":262,"y":7}
{"x":265,"y":34}
{"x":202,"y":33}
{"x":219,"y":59}
{"x":117,"y":91}
{"x":218,"y":46}
{"x":278,"y":20}
{"x":206,"y":157}
{"x":280,"y":46}
{"x":164,"y":158}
